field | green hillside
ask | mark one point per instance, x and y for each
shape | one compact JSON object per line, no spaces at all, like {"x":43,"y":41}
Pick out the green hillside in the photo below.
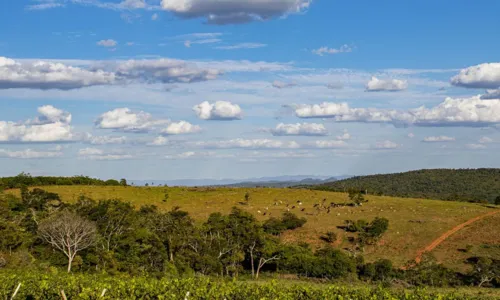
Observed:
{"x":472,"y":185}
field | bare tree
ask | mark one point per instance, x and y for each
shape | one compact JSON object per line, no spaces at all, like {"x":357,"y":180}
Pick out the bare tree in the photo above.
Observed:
{"x":69,"y":233}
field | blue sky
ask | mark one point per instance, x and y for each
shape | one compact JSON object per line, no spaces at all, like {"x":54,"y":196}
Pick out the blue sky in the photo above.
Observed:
{"x":169,"y":89}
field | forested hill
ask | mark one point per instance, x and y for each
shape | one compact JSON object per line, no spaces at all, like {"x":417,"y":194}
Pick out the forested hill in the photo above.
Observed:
{"x":476,"y":185}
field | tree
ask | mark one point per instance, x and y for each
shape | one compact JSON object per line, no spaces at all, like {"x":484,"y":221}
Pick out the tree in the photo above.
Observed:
{"x":123,"y":182}
{"x":247,"y":197}
{"x":68,"y":233}
{"x":497,"y":200}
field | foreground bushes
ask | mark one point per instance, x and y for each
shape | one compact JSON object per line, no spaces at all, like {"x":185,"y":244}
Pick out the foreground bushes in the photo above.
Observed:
{"x":48,"y":286}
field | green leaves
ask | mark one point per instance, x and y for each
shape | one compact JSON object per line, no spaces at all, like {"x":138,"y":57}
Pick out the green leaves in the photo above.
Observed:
{"x":41,"y":286}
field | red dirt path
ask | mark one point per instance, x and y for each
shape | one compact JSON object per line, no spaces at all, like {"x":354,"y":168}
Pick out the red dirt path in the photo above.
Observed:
{"x":447,"y":234}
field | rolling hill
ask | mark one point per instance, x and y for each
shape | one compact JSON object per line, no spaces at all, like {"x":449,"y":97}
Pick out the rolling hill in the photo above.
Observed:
{"x":471,"y":185}
{"x":414,"y":223}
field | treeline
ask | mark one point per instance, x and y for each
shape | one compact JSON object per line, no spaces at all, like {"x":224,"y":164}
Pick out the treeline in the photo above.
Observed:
{"x":25,"y":179}
{"x":40,"y":232}
{"x":471,"y":185}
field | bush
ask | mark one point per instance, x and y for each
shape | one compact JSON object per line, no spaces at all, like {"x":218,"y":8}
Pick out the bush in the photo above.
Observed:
{"x":288,"y":221}
{"x":329,"y":237}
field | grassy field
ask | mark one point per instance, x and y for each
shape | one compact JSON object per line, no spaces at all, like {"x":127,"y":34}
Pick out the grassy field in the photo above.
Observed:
{"x":414,"y":223}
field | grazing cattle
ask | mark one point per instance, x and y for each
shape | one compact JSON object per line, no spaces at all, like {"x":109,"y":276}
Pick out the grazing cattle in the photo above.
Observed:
{"x":303,"y":209}
{"x":259,"y":212}
{"x":293,"y":207}
{"x":316,"y":205}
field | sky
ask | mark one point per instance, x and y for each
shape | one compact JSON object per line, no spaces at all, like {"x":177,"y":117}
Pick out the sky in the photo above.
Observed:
{"x":177,"y":89}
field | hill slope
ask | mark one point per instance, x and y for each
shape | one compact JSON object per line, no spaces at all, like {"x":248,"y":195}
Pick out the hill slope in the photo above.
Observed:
{"x":473,"y":185}
{"x":414,"y":223}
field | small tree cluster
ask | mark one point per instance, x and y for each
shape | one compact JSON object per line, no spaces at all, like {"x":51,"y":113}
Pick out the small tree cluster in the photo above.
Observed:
{"x":288,"y":221}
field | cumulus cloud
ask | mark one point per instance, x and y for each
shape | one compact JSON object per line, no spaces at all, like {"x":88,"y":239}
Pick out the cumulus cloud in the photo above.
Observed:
{"x":481,"y":76}
{"x":29,"y":154}
{"x":234,"y":11}
{"x":391,"y":85}
{"x":491,"y":94}
{"x":220,"y":110}
{"x":197,"y":155}
{"x":124,"y":119}
{"x":452,"y":112}
{"x":282,"y":85}
{"x":52,"y":125}
{"x":160,"y":70}
{"x":47,"y":75}
{"x":181,"y":127}
{"x":325,"y":50}
{"x":107,"y":43}
{"x":249,"y":144}
{"x":438,"y":139}
{"x":104,"y":140}
{"x":305,"y":129}
{"x":159,"y":141}
{"x":386,"y":145}
{"x":98,"y":154}
{"x":344,"y":137}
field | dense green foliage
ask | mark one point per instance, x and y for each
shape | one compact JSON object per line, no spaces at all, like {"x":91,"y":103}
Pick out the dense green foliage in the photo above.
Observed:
{"x":474,"y":185}
{"x":48,"y":286}
{"x":25,"y":179}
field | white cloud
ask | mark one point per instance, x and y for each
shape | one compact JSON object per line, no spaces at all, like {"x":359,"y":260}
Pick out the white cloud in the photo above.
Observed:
{"x":325,"y":50}
{"x":479,"y":76}
{"x":392,"y":85}
{"x":242,"y":46}
{"x":159,"y":141}
{"x":332,"y":144}
{"x":125,"y":119}
{"x":29,"y":154}
{"x":107,"y":43}
{"x":305,"y":129}
{"x":485,"y":140}
{"x":344,"y":137}
{"x":386,"y":145}
{"x":234,"y":11}
{"x":161,"y":70}
{"x":181,"y":127}
{"x":154,"y":17}
{"x":48,"y":75}
{"x":220,"y":110}
{"x":452,"y":112}
{"x":52,"y":125}
{"x":438,"y":139}
{"x":104,"y":140}
{"x":188,"y":43}
{"x":411,"y":135}
{"x":475,"y":146}
{"x":43,"y":6}
{"x":282,"y":85}
{"x":249,"y":144}
{"x":98,"y":154}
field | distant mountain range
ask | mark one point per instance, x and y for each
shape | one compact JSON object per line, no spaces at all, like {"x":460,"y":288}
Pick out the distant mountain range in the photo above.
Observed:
{"x":277,"y":181}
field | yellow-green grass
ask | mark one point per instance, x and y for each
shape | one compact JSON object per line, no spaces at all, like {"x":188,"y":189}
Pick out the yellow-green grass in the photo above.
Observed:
{"x":481,"y":238}
{"x":413,"y":223}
